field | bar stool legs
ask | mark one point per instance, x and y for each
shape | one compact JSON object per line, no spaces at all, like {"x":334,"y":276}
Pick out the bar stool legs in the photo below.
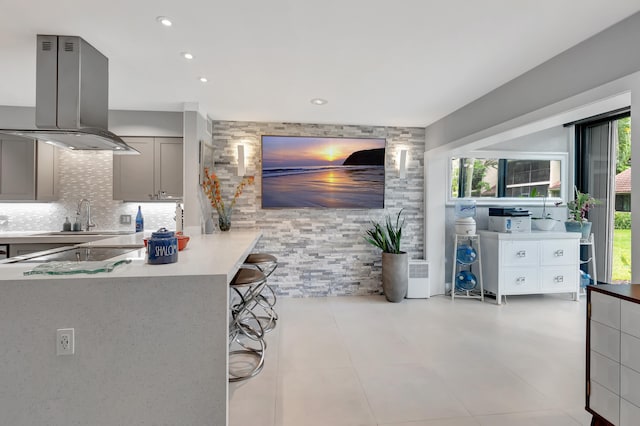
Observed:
{"x":252,"y":314}
{"x":265,"y":263}
{"x":246,"y":332}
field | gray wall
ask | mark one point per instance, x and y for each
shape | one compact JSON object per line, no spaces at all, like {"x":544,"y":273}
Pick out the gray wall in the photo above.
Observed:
{"x":600,"y":68}
{"x":195,"y":131}
{"x":321,"y":251}
{"x":146,"y":123}
{"x":600,"y":59}
{"x":554,"y":139}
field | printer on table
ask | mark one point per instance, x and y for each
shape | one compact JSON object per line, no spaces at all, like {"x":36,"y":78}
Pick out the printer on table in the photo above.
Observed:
{"x":509,"y":219}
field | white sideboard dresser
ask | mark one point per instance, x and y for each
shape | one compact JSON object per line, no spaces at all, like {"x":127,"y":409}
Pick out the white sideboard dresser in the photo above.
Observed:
{"x":613,"y":354}
{"x":530,"y":263}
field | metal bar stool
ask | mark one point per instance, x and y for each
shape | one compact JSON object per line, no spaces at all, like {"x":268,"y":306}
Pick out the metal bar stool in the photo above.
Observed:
{"x":265,"y":263}
{"x":245,"y":330}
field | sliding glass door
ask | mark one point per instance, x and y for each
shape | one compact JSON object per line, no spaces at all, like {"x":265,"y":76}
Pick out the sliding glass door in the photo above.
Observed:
{"x":602,"y":160}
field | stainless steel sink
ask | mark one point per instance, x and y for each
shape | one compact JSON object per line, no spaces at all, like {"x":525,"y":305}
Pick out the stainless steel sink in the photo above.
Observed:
{"x":78,"y":254}
{"x":88,"y":233}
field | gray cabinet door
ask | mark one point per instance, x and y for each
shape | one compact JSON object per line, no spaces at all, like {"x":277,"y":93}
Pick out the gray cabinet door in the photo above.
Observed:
{"x":47,"y":187}
{"x":158,"y":168}
{"x":17,"y":169}
{"x":168,"y":166}
{"x":133,"y":175}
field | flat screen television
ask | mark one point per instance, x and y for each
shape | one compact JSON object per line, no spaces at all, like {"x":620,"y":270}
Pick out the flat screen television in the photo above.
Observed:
{"x":322,"y":172}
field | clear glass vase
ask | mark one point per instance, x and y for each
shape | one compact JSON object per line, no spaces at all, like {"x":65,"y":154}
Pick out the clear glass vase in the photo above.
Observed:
{"x":224,"y":220}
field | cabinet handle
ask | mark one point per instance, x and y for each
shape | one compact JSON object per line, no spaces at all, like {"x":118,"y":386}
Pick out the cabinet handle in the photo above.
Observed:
{"x":521,"y":280}
{"x":521,"y":253}
{"x":558,"y":278}
{"x":558,"y":253}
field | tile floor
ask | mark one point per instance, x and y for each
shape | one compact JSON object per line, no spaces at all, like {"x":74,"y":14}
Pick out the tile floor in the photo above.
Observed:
{"x":343,"y":361}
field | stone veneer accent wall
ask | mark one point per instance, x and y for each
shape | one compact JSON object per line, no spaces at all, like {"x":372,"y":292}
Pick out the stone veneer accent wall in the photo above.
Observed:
{"x":321,"y":251}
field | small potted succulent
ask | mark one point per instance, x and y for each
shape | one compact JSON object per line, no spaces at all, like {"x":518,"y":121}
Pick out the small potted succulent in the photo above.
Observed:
{"x":578,"y":209}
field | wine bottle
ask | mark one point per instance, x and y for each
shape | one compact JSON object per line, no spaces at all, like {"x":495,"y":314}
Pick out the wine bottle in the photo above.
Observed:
{"x":139,"y":221}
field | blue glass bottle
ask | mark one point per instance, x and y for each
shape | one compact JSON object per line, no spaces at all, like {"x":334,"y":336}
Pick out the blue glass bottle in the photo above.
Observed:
{"x":139,"y":221}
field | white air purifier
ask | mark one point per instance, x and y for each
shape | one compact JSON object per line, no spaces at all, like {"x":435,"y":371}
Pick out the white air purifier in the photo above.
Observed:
{"x":419,"y":287}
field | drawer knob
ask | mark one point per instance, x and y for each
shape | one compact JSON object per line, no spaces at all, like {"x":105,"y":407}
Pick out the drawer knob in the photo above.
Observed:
{"x":521,"y":253}
{"x":558,"y":253}
{"x":558,"y":278}
{"x":520,"y":280}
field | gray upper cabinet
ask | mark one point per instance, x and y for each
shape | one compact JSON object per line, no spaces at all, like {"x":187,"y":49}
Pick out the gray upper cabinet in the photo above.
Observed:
{"x":28,"y":170}
{"x":158,"y":169}
{"x":47,"y":182}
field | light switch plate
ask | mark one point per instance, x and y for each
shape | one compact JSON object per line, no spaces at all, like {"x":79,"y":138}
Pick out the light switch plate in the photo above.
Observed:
{"x":125,"y":219}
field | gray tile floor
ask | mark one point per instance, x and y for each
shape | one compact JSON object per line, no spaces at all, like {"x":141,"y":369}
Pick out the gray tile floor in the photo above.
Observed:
{"x":364,"y":361}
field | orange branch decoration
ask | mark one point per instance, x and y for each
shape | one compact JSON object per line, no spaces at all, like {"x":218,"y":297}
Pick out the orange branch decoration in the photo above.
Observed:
{"x":211,"y":187}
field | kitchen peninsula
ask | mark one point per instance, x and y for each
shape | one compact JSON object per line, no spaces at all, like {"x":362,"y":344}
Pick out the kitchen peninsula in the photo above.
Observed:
{"x":150,"y":340}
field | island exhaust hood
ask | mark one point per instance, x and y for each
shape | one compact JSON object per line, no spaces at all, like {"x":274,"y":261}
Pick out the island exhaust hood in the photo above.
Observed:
{"x":72,"y":90}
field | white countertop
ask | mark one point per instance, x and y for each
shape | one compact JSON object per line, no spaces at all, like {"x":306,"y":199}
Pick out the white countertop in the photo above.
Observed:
{"x":220,"y":253}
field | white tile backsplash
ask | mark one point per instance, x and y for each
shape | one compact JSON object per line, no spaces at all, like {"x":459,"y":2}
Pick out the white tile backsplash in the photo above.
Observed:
{"x":85,"y":174}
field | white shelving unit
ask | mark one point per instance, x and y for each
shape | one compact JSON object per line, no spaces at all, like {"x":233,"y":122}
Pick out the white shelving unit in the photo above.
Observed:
{"x":474,"y":267}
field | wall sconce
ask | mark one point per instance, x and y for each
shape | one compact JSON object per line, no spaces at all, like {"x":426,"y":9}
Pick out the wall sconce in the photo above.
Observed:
{"x":241,"y":167}
{"x":403,"y":164}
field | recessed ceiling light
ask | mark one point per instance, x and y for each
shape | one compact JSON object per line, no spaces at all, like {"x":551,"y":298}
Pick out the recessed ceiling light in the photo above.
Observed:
{"x":187,"y":55}
{"x":318,"y":101}
{"x":203,"y":79}
{"x":164,"y":21}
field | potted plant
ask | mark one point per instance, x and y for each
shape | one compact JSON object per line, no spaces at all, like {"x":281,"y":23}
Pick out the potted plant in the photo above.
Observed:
{"x":543,"y":222}
{"x":395,"y":262}
{"x":578,"y":209}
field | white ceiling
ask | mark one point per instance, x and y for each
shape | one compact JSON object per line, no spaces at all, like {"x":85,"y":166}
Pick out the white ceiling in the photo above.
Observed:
{"x":378,"y":62}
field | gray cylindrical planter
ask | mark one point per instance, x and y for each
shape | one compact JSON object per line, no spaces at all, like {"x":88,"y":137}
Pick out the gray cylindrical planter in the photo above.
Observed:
{"x":395,"y":276}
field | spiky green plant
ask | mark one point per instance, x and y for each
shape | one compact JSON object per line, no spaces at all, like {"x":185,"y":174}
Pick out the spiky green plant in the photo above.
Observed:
{"x":386,"y":236}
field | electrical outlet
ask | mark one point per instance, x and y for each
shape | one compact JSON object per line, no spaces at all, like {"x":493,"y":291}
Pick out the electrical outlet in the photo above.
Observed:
{"x":125,"y":219}
{"x":65,"y":344}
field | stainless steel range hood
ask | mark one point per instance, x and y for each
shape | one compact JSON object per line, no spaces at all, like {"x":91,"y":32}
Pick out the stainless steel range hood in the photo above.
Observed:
{"x":72,"y":90}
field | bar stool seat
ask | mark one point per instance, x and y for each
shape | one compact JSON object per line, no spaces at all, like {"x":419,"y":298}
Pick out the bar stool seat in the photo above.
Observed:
{"x":266,"y":262}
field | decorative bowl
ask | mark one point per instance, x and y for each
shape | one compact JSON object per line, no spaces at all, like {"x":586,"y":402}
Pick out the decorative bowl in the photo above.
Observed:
{"x":183,"y":240}
{"x":545,"y":224}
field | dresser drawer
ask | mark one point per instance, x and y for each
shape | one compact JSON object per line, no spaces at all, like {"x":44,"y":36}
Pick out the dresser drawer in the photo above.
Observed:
{"x":605,"y":340}
{"x":559,"y":252}
{"x":605,"y":372}
{"x":630,"y":385}
{"x":605,"y":403}
{"x":559,"y":279}
{"x":519,"y":253}
{"x":630,"y":351}
{"x":605,"y":309}
{"x":629,"y":413}
{"x":630,"y":318}
{"x":520,"y":280}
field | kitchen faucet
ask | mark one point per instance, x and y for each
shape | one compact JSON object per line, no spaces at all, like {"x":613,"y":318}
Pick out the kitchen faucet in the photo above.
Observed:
{"x":88,"y":203}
